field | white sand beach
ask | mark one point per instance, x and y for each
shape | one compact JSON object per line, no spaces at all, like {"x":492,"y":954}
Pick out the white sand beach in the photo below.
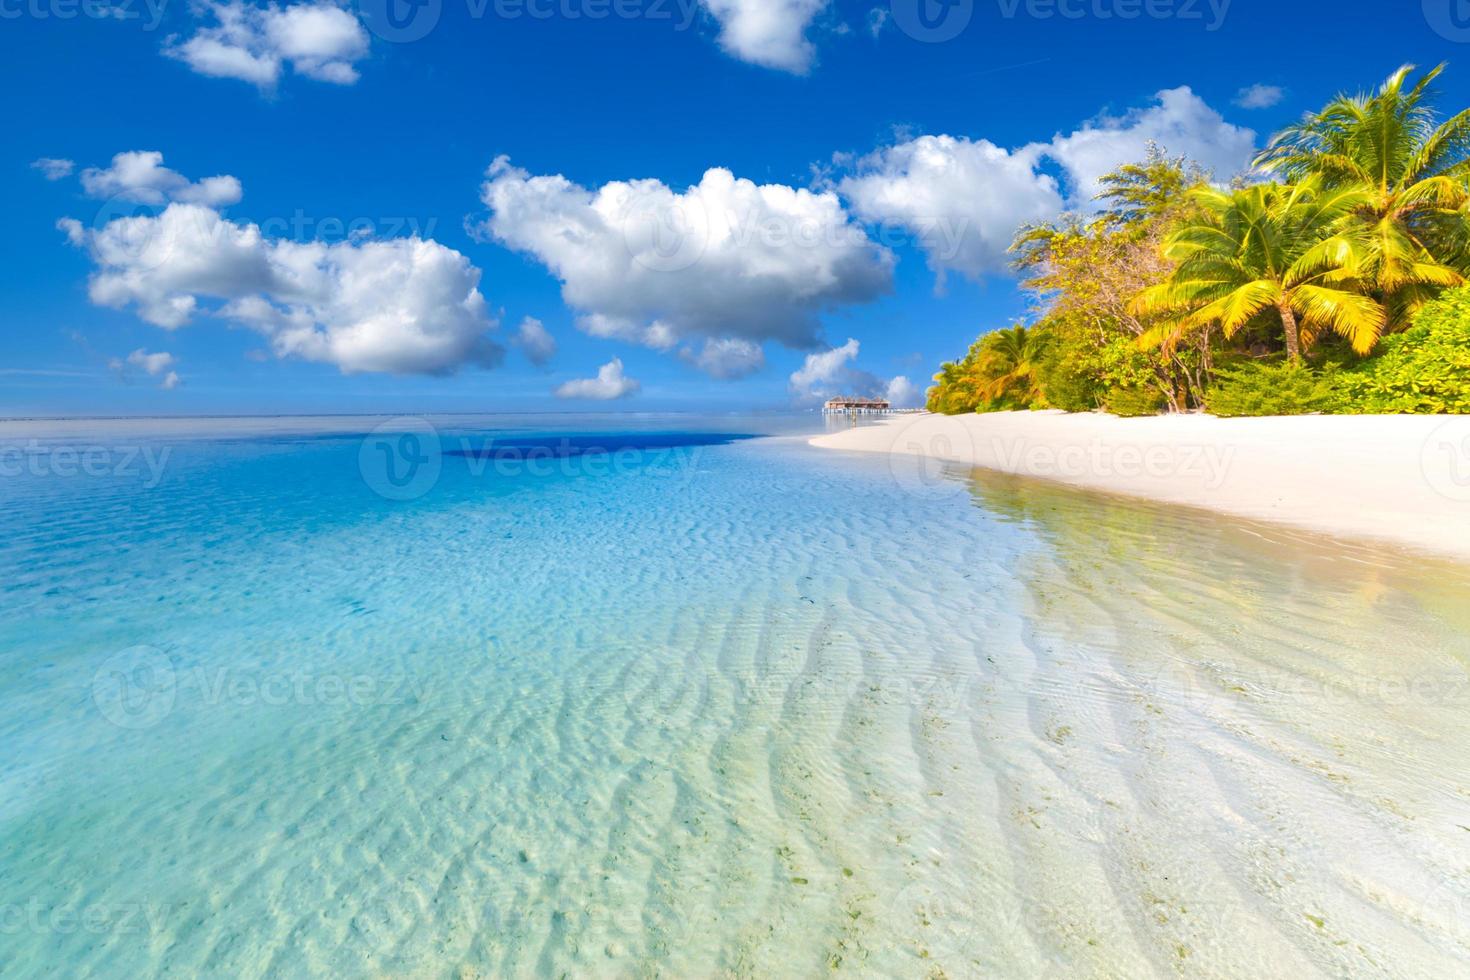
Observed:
{"x":1398,"y":479}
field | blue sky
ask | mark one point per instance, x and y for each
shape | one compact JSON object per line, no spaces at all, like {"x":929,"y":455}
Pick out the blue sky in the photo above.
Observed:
{"x":876,"y":165}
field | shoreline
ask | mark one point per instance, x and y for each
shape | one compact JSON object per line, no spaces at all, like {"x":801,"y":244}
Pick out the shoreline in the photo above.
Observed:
{"x":1390,"y":479}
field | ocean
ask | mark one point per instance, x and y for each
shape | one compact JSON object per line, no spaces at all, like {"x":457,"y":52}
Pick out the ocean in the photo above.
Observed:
{"x":624,"y":696}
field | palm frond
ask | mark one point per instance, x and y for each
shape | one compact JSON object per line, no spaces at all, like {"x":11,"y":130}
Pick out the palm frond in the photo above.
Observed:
{"x":1358,"y":318}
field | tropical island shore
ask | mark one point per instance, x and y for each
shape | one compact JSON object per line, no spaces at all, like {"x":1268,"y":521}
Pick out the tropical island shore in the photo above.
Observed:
{"x":1402,"y":479}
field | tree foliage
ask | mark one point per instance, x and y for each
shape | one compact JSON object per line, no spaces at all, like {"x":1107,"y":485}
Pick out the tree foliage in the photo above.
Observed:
{"x":1354,"y":220}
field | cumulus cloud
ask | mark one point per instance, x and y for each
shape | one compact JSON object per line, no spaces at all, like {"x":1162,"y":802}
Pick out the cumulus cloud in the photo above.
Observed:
{"x":963,"y":199}
{"x":53,"y":168}
{"x":726,"y":358}
{"x":832,"y":372}
{"x":769,"y":33}
{"x":535,"y":342}
{"x":725,"y":259}
{"x":658,"y":335}
{"x":255,"y":43}
{"x":821,"y":370}
{"x":140,"y":176}
{"x":1259,"y":96}
{"x":405,"y":305}
{"x":901,"y":393}
{"x":73,"y":229}
{"x":156,"y":365}
{"x":1179,"y":121}
{"x":609,"y":384}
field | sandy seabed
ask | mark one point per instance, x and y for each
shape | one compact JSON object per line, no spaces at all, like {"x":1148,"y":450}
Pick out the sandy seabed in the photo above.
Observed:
{"x":771,"y":712}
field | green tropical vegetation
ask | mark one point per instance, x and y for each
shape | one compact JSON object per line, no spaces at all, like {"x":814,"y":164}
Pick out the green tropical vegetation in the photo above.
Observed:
{"x":1333,"y":277}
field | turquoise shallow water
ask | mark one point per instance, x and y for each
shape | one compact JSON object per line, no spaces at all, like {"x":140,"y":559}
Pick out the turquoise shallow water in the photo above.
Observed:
{"x":302,"y":698}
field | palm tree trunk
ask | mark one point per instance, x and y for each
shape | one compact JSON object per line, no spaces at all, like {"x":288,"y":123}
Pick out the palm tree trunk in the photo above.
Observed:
{"x":1293,"y":335}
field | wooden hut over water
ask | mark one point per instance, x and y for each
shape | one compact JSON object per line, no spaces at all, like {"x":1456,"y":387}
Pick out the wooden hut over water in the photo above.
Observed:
{"x":856,"y":406}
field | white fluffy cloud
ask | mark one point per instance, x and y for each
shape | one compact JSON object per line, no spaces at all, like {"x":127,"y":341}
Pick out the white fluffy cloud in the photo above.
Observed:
{"x":255,"y":43}
{"x":140,"y":176}
{"x":609,"y":384}
{"x":902,"y":393}
{"x":726,"y":357}
{"x":770,"y":33}
{"x":964,"y":199}
{"x":1179,"y":121}
{"x":404,"y":305}
{"x":157,"y":365}
{"x":1259,"y":96}
{"x":821,"y":370}
{"x":535,"y":342}
{"x":832,"y":372}
{"x":726,"y":259}
{"x":53,"y":168}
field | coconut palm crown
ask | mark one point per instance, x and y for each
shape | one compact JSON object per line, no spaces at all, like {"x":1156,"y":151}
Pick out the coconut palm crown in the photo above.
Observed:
{"x":1271,"y":252}
{"x":1414,"y":173}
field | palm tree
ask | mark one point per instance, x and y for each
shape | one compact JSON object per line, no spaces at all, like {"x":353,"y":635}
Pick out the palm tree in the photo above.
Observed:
{"x":1415,"y":176}
{"x":1270,"y":251}
{"x":949,"y":394}
{"x":1007,"y":366}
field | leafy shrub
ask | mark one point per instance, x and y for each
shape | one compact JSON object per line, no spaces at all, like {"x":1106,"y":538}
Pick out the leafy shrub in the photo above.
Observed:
{"x":1067,"y":377}
{"x":1134,"y":402}
{"x":1082,"y":371}
{"x":1272,"y":388}
{"x":1424,"y":370}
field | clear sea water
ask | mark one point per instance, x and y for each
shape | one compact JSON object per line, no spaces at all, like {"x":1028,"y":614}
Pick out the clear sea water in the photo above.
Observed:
{"x":342,"y":698}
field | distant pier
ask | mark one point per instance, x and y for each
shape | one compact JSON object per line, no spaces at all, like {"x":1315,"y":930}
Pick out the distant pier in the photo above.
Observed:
{"x":858,"y":406}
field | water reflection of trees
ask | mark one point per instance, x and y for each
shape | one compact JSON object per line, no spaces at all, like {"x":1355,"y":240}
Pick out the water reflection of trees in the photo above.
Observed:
{"x":1114,"y":543}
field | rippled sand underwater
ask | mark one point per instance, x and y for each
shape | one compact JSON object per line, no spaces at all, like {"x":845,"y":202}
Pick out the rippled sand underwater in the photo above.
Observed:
{"x":759,"y":710}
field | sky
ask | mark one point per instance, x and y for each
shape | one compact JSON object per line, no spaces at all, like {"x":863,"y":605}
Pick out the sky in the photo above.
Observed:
{"x":607,"y":205}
